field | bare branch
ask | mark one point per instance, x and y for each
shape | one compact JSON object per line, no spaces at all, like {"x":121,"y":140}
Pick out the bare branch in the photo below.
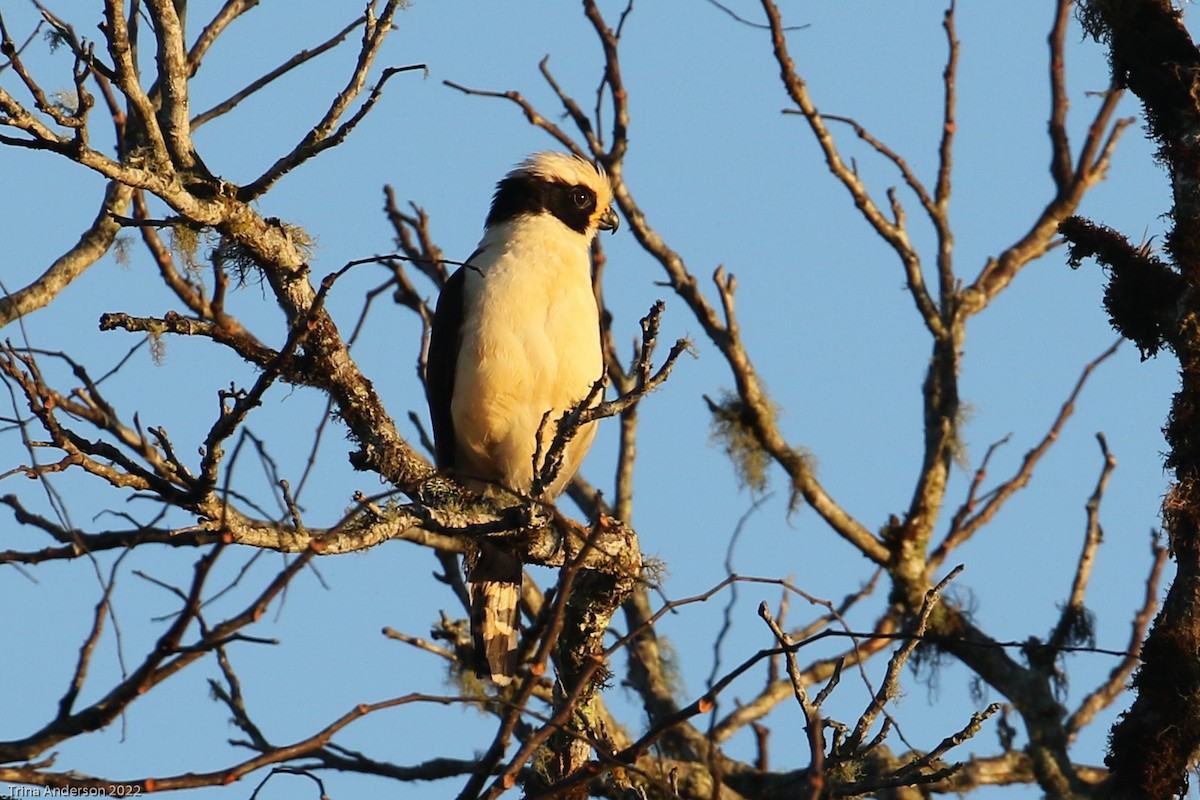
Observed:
{"x":890,"y":231}
{"x":966,"y":523}
{"x":1090,"y":168}
{"x":947,"y":282}
{"x":531,"y":114}
{"x":890,"y":688}
{"x":1074,"y":612}
{"x":1061,"y":168}
{"x":813,"y":723}
{"x":172,"y":86}
{"x":227,"y":105}
{"x":225,"y":16}
{"x":331,"y":130}
{"x":92,"y":245}
{"x":166,"y":658}
{"x":1107,"y":693}
{"x":128,"y":80}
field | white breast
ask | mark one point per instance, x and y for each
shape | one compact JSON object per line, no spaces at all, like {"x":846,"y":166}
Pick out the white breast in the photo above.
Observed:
{"x":530,"y":345}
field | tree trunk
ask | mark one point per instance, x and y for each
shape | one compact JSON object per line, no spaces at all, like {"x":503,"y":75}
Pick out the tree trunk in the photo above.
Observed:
{"x":1151,"y":746}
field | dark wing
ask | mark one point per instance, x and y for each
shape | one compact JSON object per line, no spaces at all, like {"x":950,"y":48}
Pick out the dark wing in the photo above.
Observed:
{"x":495,"y":576}
{"x":440,"y":365}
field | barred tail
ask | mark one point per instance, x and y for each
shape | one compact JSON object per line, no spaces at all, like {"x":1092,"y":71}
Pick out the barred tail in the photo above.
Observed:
{"x":495,"y":613}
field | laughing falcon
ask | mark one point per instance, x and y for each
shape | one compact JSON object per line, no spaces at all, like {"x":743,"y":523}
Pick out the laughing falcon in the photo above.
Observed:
{"x":516,"y":336}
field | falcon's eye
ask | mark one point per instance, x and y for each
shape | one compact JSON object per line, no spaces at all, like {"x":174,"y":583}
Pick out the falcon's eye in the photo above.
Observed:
{"x":581,"y":198}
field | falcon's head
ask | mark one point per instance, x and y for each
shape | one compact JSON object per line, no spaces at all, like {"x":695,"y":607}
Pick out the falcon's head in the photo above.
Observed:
{"x":572,"y":189}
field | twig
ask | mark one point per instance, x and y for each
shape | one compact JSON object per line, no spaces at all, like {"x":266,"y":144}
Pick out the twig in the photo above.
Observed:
{"x":1073,"y":610}
{"x":1118,"y":679}
{"x":813,"y":723}
{"x":421,"y":644}
{"x":967,"y":525}
{"x":292,"y":63}
{"x":750,"y":23}
{"x":331,"y":130}
{"x":891,"y":682}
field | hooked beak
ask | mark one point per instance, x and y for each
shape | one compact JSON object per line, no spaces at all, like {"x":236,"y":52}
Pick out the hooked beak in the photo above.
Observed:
{"x":609,"y":221}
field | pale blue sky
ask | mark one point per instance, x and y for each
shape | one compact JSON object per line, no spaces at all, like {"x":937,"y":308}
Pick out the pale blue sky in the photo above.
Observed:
{"x":726,"y":179}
